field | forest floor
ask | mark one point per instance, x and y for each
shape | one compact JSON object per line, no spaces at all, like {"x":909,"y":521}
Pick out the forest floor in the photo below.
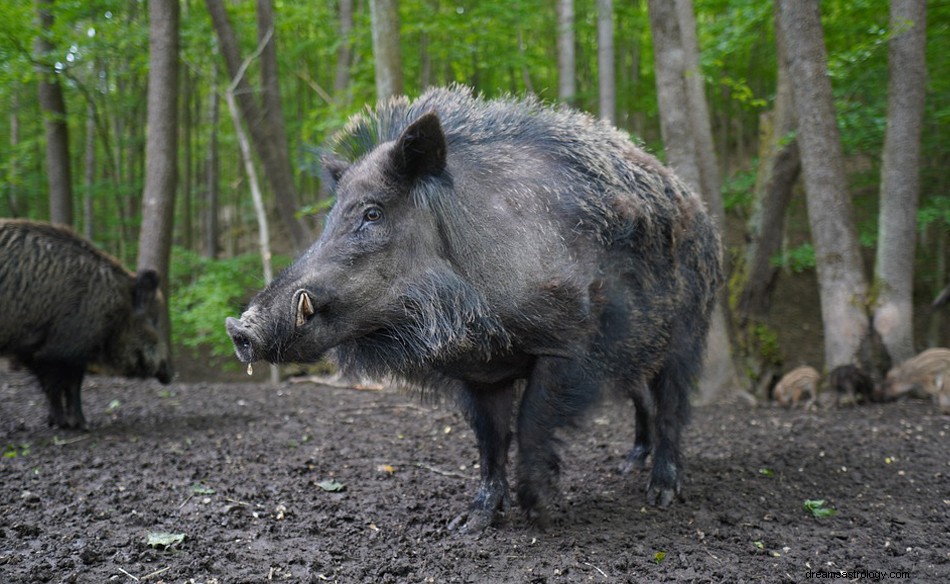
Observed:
{"x":237,"y":475}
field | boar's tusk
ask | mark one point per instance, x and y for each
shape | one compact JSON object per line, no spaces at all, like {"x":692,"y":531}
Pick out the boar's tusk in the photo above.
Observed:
{"x":304,"y":309}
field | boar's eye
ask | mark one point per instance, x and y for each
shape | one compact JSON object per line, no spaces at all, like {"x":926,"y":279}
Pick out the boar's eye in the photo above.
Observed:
{"x":372,"y":215}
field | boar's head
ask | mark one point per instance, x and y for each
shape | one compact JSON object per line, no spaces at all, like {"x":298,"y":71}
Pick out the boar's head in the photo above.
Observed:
{"x":138,"y":347}
{"x":378,"y":278}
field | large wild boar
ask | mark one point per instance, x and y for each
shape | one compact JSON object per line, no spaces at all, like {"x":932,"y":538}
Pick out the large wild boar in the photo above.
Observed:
{"x":66,"y":304}
{"x":475,"y":244}
{"x":927,"y":374}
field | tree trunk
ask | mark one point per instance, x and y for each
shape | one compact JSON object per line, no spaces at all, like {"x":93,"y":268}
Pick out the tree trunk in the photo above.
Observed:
{"x":161,"y":162}
{"x":89,"y":172}
{"x":719,"y":372}
{"x":211,"y":245}
{"x":386,"y":51}
{"x":842,"y":284}
{"x":605,"y":61}
{"x":711,"y":182}
{"x":566,"y":67}
{"x":54,"y":121}
{"x":900,"y":179}
{"x":266,"y":139}
{"x":779,"y":167}
{"x":260,"y":213}
{"x":14,"y":164}
{"x":344,"y":56}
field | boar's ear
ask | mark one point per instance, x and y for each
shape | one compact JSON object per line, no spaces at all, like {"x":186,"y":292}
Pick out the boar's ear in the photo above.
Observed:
{"x":146,"y":286}
{"x":332,"y":168}
{"x":420,"y":150}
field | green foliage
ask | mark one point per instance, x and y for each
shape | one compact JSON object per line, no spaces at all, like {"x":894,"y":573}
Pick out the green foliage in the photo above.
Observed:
{"x":818,"y":509}
{"x":934,"y":211}
{"x":797,"y":259}
{"x":204,"y":292}
{"x":738,"y":191}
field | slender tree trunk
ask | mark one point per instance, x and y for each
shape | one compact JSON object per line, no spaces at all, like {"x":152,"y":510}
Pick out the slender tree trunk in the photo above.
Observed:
{"x":386,"y":50}
{"x":212,"y":246}
{"x":566,"y":67}
{"x":14,"y":164}
{"x":676,"y":124}
{"x":605,"y":61}
{"x":54,"y":120}
{"x":779,"y":167}
{"x":89,"y":172}
{"x":900,"y":179}
{"x":161,"y":158}
{"x":344,"y":56}
{"x":265,"y":134}
{"x":711,"y":182}
{"x":842,"y":283}
{"x":259,"y":211}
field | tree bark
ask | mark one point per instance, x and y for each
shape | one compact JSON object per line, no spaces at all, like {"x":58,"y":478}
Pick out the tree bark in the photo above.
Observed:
{"x":344,"y":56}
{"x":266,"y":139}
{"x":89,"y":172}
{"x":161,"y":156}
{"x":566,"y":66}
{"x":607,"y":85}
{"x":711,"y":182}
{"x":843,"y":285}
{"x":211,"y":245}
{"x":900,"y":179}
{"x":54,"y":121}
{"x":779,"y":167}
{"x":386,"y":51}
{"x":719,"y":372}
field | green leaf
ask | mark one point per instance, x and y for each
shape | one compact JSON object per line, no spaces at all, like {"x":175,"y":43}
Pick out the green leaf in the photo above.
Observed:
{"x":331,"y":486}
{"x":200,"y":489}
{"x":162,"y":540}
{"x":817,"y":508}
{"x":766,"y":472}
{"x":659,"y":557}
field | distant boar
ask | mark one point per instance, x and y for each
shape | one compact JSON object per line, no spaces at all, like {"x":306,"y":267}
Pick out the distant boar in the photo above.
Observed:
{"x":799,"y":384}
{"x":851,"y":385}
{"x":65,"y":305}
{"x":927,"y":374}
{"x":474,"y":244}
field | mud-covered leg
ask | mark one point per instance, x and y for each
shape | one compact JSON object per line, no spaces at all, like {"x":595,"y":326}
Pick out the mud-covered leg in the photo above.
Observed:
{"x":558,"y":391}
{"x":61,"y":382}
{"x":488,"y":408}
{"x":636,"y":459}
{"x":670,"y":392}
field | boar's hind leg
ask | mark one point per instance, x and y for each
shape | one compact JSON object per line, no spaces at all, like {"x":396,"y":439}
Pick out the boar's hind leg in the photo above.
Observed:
{"x":61,"y":383}
{"x":558,"y":392}
{"x":670,"y":393}
{"x":488,"y":408}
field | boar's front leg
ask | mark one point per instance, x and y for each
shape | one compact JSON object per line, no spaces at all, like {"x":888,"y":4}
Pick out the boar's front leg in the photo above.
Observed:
{"x":61,"y":382}
{"x":558,"y":392}
{"x":488,"y":408}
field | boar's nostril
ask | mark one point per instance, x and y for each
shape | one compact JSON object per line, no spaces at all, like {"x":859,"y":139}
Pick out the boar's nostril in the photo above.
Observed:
{"x":304,"y":308}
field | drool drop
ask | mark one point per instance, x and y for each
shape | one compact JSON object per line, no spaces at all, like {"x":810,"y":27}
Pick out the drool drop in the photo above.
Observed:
{"x":250,"y":369}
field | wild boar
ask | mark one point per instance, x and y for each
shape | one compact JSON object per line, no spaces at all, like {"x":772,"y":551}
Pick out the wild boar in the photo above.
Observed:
{"x":798,"y":385}
{"x":926,"y":375}
{"x":66,"y":304}
{"x":477,"y":244}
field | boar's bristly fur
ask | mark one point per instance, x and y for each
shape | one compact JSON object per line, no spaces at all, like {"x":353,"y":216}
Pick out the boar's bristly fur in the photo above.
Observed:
{"x":479,"y":246}
{"x":66,"y":304}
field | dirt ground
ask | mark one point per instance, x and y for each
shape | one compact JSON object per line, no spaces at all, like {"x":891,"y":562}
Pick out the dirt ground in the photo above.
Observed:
{"x":238,"y":473}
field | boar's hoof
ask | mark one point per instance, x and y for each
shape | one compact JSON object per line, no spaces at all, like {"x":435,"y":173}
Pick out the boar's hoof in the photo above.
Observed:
{"x":485,"y":511}
{"x":663,"y":486}
{"x":636,"y":459}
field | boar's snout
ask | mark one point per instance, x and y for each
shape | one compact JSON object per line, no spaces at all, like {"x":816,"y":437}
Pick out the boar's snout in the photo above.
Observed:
{"x":243,"y":339}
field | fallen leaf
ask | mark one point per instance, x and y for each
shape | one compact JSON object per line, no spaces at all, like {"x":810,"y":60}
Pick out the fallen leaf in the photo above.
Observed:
{"x":331,"y":486}
{"x":161,"y":540}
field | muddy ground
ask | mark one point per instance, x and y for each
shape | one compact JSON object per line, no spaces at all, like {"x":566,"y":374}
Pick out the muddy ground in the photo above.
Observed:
{"x":240,"y":471}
